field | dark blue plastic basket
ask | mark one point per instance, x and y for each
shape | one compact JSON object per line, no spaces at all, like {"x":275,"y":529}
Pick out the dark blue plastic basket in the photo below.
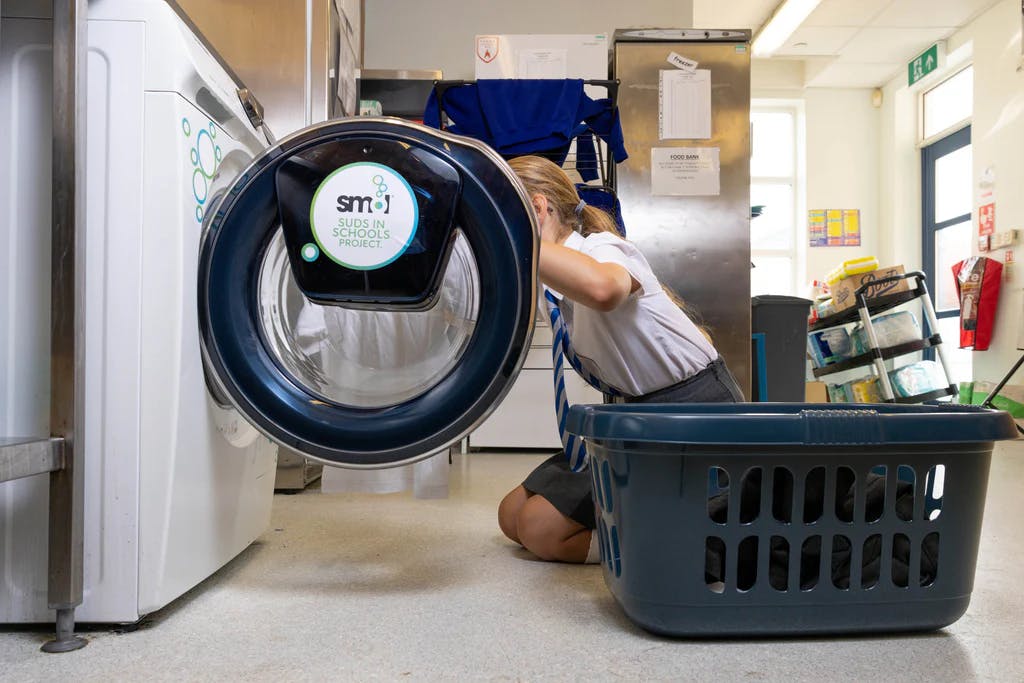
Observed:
{"x":760,"y":519}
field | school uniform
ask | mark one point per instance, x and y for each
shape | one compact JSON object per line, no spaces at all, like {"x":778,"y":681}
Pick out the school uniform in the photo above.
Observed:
{"x":646,"y":348}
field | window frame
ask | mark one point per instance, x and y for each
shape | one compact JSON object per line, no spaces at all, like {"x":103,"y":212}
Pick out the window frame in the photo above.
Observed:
{"x":929,"y":227}
{"x":797,"y":249}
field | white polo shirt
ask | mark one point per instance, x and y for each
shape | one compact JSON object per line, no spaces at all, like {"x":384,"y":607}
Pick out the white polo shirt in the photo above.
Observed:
{"x":647,"y":343}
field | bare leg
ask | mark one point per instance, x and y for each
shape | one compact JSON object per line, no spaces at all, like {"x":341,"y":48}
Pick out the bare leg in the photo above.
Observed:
{"x":549,"y":534}
{"x":508,"y":512}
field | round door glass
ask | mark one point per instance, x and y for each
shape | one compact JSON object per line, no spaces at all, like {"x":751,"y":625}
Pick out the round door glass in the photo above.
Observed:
{"x":361,"y":358}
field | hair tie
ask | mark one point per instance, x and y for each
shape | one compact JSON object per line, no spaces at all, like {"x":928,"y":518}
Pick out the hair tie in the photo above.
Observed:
{"x":579,"y":208}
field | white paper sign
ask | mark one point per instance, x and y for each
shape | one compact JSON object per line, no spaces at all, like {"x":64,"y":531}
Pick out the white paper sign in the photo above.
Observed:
{"x":542,"y":64}
{"x":684,"y":104}
{"x":684,"y":63}
{"x":685,"y":171}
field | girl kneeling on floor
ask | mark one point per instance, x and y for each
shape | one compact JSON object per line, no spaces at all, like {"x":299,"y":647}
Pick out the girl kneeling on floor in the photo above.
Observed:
{"x":626,"y":331}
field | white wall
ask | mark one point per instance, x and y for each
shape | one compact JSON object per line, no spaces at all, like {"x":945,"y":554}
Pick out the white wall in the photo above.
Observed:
{"x":993,"y":44}
{"x":899,"y":177}
{"x":842,"y":130}
{"x":842,"y":157}
{"x":997,"y":138}
{"x":439,"y":34}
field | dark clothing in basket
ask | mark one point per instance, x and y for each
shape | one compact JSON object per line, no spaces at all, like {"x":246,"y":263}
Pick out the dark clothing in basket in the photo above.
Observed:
{"x":810,"y":558}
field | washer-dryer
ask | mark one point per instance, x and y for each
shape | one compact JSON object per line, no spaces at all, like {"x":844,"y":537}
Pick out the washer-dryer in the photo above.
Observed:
{"x":367,"y":290}
{"x":175,"y":484}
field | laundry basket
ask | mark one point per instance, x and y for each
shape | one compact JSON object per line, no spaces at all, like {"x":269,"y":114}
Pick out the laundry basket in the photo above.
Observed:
{"x":772,"y":519}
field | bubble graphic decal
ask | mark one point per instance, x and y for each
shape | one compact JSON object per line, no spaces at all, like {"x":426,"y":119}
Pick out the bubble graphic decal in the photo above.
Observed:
{"x":310,"y":252}
{"x":205,"y":155}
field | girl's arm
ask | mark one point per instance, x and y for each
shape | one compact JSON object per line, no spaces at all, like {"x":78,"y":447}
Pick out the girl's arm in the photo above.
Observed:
{"x":595,"y":284}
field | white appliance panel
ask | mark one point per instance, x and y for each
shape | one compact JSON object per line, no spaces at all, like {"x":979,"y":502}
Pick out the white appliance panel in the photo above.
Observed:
{"x":112,"y":310}
{"x":174,"y":485}
{"x":203,"y":500}
{"x":24,"y":302}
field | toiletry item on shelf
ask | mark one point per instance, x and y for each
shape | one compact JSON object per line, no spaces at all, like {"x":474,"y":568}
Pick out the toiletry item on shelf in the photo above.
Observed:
{"x":822,"y":308}
{"x":852,"y":267}
{"x":890,"y":329}
{"x":864,"y":390}
{"x":837,"y":394}
{"x":817,"y":290}
{"x":829,"y":346}
{"x":918,"y":378}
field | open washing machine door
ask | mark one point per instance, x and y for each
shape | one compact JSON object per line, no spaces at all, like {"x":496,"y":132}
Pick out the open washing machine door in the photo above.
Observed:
{"x":367,"y":290}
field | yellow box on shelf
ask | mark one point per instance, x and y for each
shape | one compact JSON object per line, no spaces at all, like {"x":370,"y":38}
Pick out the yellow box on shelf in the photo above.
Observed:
{"x":852,"y":267}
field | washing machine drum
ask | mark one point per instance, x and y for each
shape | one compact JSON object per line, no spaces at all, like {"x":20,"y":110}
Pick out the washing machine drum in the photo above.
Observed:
{"x":367,"y":290}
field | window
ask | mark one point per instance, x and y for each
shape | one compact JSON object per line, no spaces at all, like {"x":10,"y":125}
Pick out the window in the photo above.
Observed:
{"x":774,"y":174}
{"x":948,"y":104}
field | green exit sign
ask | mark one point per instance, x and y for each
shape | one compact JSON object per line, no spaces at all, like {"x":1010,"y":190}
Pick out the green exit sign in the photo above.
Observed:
{"x":923,"y":64}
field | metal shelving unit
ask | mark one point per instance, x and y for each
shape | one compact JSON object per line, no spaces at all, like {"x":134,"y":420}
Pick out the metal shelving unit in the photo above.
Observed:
{"x":876,"y":356}
{"x":59,"y":454}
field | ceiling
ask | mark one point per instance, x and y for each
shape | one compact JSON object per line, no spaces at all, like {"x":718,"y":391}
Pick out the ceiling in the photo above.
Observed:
{"x":851,"y":43}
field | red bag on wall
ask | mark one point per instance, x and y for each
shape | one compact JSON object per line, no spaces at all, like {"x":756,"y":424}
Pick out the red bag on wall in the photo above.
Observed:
{"x":977,"y":284}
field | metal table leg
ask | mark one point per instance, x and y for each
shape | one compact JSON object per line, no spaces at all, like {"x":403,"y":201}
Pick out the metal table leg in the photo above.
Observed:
{"x":70,"y":51}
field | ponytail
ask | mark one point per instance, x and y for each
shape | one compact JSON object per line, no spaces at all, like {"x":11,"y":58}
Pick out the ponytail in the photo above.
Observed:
{"x":593,"y":219}
{"x":541,"y":176}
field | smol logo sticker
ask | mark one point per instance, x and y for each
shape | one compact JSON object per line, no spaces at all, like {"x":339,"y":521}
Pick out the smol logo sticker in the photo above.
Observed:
{"x":363,"y":216}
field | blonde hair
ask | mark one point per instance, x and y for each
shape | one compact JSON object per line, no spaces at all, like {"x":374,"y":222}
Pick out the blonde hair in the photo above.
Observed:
{"x":544,"y":177}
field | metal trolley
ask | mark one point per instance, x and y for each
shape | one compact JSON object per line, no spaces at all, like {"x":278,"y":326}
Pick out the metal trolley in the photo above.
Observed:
{"x":868,"y":306}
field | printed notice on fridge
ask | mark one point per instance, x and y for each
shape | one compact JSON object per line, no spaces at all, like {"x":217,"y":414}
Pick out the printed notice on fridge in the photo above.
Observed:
{"x":684,"y":104}
{"x":685,"y":171}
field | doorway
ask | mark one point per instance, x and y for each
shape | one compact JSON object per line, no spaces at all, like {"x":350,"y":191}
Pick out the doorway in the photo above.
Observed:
{"x":946,"y":168}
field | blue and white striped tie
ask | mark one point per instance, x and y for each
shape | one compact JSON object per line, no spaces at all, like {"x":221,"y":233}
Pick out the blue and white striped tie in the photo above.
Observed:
{"x":575,"y":449}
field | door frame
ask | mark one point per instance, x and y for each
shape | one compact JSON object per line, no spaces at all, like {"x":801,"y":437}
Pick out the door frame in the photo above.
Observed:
{"x":929,"y":155}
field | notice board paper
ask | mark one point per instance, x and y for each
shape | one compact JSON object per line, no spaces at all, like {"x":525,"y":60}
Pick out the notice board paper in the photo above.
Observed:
{"x":684,"y":104}
{"x":851,"y":227}
{"x":543,"y":64}
{"x":685,"y":171}
{"x":834,"y":227}
{"x":816,"y":228}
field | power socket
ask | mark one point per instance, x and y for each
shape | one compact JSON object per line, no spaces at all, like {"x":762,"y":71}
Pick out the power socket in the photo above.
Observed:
{"x":1006,"y":238}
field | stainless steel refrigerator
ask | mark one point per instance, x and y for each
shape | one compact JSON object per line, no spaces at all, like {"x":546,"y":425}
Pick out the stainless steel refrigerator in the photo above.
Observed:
{"x":684,"y":101}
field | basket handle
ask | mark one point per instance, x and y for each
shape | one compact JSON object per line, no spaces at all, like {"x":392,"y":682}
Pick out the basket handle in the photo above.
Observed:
{"x":841,"y":427}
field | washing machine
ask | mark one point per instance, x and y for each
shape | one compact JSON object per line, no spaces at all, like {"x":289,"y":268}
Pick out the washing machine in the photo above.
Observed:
{"x":176,"y":484}
{"x":367,"y":290}
{"x":362,"y":292}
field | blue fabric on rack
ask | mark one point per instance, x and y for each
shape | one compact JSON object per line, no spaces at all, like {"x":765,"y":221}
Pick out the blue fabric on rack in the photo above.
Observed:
{"x":525,"y":116}
{"x":605,"y":199}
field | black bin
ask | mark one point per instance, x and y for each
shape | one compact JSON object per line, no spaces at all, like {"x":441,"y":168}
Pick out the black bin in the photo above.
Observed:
{"x":783,"y":321}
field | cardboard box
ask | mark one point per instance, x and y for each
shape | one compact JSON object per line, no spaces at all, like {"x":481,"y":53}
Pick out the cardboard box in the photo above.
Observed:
{"x":844,"y":292}
{"x":816,"y":392}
